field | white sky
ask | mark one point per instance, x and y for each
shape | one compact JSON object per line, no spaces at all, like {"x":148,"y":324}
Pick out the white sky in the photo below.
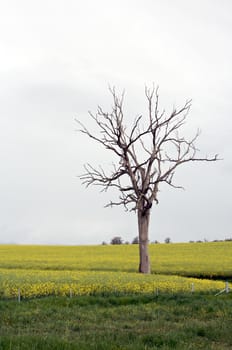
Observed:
{"x":56,"y":61}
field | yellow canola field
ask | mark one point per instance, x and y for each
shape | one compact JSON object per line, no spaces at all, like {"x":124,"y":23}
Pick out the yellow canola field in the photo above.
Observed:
{"x":185,"y":259}
{"x":87,"y":270}
{"x":34,"y":283}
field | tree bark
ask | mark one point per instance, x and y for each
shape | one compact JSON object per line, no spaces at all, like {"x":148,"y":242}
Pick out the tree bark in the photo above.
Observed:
{"x":143,"y":225}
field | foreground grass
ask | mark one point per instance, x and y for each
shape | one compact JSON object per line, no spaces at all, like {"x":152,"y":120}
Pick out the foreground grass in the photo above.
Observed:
{"x":110,"y":323}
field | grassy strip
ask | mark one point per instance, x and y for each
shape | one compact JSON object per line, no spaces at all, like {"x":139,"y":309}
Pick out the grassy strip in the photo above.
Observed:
{"x":117,"y":322}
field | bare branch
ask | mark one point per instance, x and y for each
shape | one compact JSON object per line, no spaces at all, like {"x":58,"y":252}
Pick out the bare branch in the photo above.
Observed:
{"x":147,"y":156}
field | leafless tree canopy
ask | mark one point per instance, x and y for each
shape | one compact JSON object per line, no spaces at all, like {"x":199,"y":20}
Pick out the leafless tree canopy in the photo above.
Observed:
{"x":148,"y":155}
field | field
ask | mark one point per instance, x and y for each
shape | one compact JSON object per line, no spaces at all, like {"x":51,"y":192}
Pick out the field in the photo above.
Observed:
{"x":91,"y":270}
{"x":91,"y":297}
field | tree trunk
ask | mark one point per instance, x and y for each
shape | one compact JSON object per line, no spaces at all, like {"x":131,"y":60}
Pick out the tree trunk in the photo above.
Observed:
{"x":143,"y":225}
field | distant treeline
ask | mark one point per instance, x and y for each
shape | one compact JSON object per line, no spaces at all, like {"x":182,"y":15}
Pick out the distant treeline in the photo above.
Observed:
{"x":119,"y":240}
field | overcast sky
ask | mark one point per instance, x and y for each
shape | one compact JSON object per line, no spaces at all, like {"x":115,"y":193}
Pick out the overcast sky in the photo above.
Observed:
{"x":57,"y":60}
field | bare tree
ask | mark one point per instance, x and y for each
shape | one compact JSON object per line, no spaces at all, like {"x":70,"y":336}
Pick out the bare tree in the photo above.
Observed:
{"x":148,"y":156}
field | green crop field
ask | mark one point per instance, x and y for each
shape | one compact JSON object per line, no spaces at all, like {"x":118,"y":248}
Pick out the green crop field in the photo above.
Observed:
{"x":91,"y":297}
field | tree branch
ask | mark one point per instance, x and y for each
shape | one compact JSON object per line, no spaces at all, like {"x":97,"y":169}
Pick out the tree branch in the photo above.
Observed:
{"x":146,"y":157}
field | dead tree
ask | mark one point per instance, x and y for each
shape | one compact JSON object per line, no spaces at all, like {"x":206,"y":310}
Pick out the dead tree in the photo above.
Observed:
{"x":148,"y":155}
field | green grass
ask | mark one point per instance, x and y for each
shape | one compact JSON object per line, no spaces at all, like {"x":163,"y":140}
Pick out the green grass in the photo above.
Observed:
{"x":110,"y":323}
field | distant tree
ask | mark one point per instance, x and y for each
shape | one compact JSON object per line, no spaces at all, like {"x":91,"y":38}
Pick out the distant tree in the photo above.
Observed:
{"x":116,"y":240}
{"x":148,"y":155}
{"x":135,"y":240}
{"x":104,"y":243}
{"x":167,"y":240}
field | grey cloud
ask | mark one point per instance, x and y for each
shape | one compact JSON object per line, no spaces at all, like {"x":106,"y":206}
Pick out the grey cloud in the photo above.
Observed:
{"x":59,"y":59}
